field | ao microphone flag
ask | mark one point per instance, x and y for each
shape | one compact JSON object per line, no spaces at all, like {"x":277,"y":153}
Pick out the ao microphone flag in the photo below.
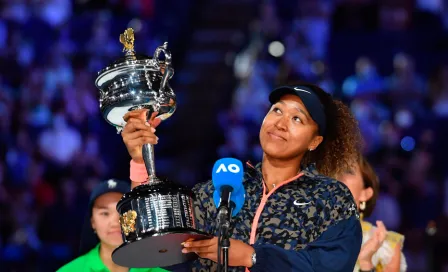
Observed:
{"x":227,"y":177}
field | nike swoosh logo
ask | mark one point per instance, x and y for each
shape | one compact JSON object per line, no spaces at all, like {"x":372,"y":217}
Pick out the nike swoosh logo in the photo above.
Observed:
{"x":301,"y":90}
{"x":301,"y":204}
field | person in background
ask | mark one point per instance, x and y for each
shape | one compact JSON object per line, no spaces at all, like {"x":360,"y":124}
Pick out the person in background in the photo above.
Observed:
{"x":381,"y":249}
{"x":102,"y":232}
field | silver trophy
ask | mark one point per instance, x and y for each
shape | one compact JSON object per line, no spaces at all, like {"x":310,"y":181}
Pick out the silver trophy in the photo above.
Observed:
{"x":155,"y":217}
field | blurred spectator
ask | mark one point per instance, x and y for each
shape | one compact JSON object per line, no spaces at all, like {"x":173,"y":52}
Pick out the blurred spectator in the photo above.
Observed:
{"x":438,"y":91}
{"x":365,"y":89}
{"x":54,"y":12}
{"x":61,"y":142}
{"x":23,"y":242}
{"x":366,"y":81}
{"x":18,"y":11}
{"x":431,"y":14}
{"x":353,"y":15}
{"x":405,"y":82}
{"x":269,"y":23}
{"x":421,"y":192}
{"x":313,"y":21}
{"x":395,"y":15}
{"x":18,"y":160}
{"x":251,"y":98}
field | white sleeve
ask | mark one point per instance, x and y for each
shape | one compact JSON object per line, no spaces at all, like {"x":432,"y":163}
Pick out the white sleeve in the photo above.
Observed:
{"x":403,"y":264}
{"x":384,"y":256}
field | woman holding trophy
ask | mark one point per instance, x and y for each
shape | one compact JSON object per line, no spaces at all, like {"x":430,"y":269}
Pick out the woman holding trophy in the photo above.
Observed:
{"x":295,"y":217}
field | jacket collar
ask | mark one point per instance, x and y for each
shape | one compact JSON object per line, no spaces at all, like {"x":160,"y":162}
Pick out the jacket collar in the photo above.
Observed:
{"x":255,"y":171}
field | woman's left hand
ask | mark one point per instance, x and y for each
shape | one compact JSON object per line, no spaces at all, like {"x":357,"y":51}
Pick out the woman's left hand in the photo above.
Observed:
{"x":371,"y":246}
{"x":240,"y":253}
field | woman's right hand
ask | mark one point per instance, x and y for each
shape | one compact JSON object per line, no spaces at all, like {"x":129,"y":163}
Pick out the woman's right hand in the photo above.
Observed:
{"x":138,"y":132}
{"x":371,"y":246}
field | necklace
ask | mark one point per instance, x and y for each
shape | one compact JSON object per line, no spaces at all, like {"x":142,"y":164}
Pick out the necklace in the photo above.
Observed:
{"x":273,"y":184}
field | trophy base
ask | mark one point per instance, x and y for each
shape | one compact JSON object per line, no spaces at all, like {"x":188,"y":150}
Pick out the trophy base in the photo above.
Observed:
{"x":157,"y":249}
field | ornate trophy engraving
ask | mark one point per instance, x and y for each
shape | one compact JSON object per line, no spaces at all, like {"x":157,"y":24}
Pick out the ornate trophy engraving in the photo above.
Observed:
{"x":155,"y":217}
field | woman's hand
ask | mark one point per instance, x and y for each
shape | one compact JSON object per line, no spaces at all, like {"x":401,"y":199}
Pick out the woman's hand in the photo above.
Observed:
{"x":240,"y":253}
{"x":371,"y":246}
{"x":395,"y":263}
{"x":138,"y":132}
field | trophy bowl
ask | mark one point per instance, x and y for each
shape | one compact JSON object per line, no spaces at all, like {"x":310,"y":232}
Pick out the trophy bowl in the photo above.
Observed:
{"x":136,"y":82}
{"x":157,"y":216}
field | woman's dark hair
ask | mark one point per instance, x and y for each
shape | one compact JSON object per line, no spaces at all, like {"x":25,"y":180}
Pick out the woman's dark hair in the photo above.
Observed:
{"x":342,"y":139}
{"x":371,"y":180}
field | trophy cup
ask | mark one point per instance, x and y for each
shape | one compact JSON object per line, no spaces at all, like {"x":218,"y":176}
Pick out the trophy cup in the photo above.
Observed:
{"x":155,"y":217}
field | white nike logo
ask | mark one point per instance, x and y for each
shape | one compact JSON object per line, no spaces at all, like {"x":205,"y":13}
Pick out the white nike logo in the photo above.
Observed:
{"x":301,"y":90}
{"x":301,"y":204}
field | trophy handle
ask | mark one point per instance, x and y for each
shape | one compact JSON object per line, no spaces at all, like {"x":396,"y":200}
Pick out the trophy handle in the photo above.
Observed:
{"x":148,"y":154}
{"x":148,"y":158}
{"x":148,"y":149}
{"x":168,"y":73}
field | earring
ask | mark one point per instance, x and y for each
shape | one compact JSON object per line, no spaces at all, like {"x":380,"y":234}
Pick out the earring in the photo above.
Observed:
{"x":94,"y":231}
{"x":362,"y":207}
{"x":309,"y":149}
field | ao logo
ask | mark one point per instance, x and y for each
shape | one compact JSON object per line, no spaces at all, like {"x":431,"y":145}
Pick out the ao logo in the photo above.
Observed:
{"x":231,"y":167}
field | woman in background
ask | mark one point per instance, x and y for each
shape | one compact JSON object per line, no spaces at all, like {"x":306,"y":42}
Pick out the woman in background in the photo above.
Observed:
{"x":381,"y":249}
{"x":102,"y":232}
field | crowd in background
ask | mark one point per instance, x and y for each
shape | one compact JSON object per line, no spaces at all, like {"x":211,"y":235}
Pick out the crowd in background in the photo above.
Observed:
{"x":55,"y":145}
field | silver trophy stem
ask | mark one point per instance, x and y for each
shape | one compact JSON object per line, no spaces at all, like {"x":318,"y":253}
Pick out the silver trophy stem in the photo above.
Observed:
{"x":148,"y":158}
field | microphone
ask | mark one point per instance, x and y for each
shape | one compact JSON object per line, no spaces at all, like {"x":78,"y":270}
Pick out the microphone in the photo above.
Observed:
{"x":229,"y":194}
{"x":236,"y":201}
{"x":227,"y":177}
